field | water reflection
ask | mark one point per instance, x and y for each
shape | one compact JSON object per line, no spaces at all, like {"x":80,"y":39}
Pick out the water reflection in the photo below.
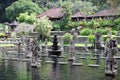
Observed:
{"x":55,"y":64}
{"x":55,"y":69}
{"x":35,"y":74}
{"x":109,"y":77}
{"x":28,"y":66}
{"x":17,"y":70}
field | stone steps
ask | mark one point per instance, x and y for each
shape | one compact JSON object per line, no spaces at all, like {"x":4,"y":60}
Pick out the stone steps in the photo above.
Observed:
{"x":93,"y":65}
{"x":77,"y":64}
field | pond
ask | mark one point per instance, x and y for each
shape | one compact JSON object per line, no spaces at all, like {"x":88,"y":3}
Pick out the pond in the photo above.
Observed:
{"x":18,"y":70}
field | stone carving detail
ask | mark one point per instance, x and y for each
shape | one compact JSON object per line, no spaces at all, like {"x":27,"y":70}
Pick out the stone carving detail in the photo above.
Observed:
{"x":110,"y":51}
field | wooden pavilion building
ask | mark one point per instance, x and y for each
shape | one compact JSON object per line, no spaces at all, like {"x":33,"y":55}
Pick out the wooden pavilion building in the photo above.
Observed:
{"x":78,"y":16}
{"x":54,"y":14}
{"x":106,"y":14}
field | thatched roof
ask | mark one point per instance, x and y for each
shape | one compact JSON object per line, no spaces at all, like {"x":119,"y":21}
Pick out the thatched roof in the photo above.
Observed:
{"x":78,"y":14}
{"x":107,"y":12}
{"x":52,"y":13}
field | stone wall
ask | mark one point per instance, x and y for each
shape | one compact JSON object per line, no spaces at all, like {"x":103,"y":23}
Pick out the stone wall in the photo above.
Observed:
{"x":82,"y":39}
{"x":79,"y":39}
{"x":58,"y":33}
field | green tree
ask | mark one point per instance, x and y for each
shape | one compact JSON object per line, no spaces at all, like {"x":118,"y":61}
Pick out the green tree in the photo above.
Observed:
{"x":3,"y":5}
{"x":85,"y":7}
{"x":67,"y":10}
{"x":113,"y":3}
{"x":25,"y":17}
{"x":43,"y":26}
{"x":21,"y":6}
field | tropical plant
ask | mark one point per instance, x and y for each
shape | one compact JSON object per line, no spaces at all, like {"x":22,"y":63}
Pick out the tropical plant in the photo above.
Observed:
{"x":91,"y":38}
{"x":67,"y":37}
{"x":43,"y":26}
{"x":101,"y":31}
{"x":117,"y":24}
{"x":86,"y":31}
{"x":26,"y":18}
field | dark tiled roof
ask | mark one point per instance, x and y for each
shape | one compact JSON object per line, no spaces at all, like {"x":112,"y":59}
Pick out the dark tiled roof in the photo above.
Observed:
{"x":78,"y":14}
{"x":52,"y":13}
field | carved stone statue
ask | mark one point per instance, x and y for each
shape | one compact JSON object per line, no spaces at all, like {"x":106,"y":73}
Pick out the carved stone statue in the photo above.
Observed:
{"x":35,"y":52}
{"x":97,"y":43}
{"x":71,"y":51}
{"x":110,"y":51}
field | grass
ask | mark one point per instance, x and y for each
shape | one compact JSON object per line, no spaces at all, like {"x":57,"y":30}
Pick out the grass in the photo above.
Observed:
{"x":77,"y":44}
{"x":6,"y":45}
{"x":50,"y":43}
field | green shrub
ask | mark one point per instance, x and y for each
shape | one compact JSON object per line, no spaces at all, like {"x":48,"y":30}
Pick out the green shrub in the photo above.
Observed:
{"x":67,"y":37}
{"x":101,"y":31}
{"x":56,"y":26}
{"x":114,"y":32}
{"x":2,"y":35}
{"x":86,"y":31}
{"x":105,"y":37}
{"x":91,"y":38}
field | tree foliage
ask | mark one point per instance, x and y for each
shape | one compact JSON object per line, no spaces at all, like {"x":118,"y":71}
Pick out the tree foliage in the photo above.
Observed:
{"x":26,"y":18}
{"x":3,"y":5}
{"x":85,"y":7}
{"x":21,"y":6}
{"x":43,"y":26}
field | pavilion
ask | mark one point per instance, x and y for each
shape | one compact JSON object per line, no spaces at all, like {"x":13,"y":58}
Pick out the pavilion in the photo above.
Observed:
{"x":106,"y":14}
{"x":54,"y":14}
{"x":78,"y":16}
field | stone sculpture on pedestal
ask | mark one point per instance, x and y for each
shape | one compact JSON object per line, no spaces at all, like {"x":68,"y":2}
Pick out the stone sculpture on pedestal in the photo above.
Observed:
{"x":110,"y":52}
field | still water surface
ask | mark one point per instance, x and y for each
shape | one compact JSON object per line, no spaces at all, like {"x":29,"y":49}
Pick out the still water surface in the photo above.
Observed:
{"x":18,"y":70}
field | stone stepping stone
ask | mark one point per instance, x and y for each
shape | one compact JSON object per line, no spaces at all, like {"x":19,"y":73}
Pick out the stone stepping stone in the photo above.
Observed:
{"x":87,"y":53}
{"x":28,"y":55}
{"x":35,"y":65}
{"x":53,"y":56}
{"x":77,"y":64}
{"x":71,"y":59}
{"x":39,"y":60}
{"x":50,"y":62}
{"x":62,"y":56}
{"x":93,"y":58}
{"x":93,"y":65}
{"x":15,"y":59}
{"x":24,"y":60}
{"x":96,"y":54}
{"x":6,"y":58}
{"x":22,"y":53}
{"x":63,"y":63}
{"x":12,"y":52}
{"x":102,"y":57}
{"x":44,"y":55}
{"x":117,"y":57}
{"x":82,"y":57}
{"x":79,"y":53}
